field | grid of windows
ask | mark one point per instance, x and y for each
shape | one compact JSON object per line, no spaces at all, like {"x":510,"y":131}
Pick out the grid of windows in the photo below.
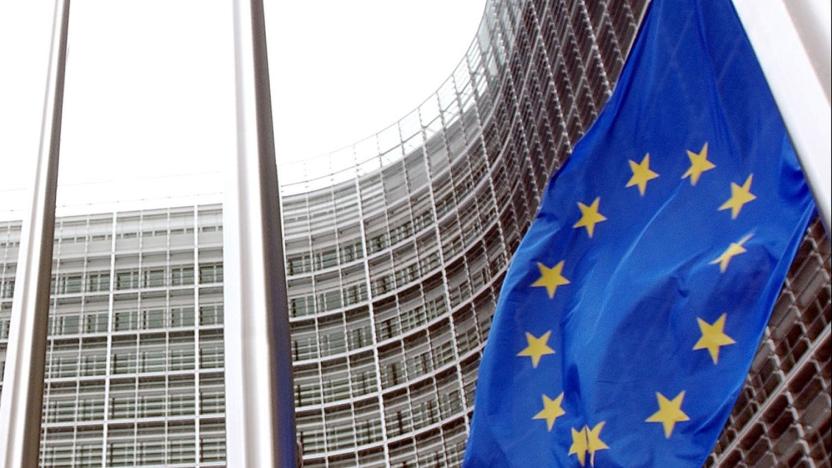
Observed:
{"x":134,"y":374}
{"x":396,"y":249}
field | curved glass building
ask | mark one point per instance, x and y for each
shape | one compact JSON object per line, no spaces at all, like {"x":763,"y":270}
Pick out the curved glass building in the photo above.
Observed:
{"x":396,"y":248}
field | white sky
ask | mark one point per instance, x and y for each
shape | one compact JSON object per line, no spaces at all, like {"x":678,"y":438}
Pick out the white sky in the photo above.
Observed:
{"x":149,"y":110}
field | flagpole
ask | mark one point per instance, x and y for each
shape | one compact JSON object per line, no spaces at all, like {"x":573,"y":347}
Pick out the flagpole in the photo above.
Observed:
{"x":22,"y":398}
{"x":260,"y":424}
{"x":792,"y":43}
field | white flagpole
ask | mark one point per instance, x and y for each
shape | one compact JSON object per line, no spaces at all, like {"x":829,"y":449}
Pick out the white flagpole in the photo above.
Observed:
{"x":260,"y":419}
{"x":22,"y":399}
{"x":791,"y":39}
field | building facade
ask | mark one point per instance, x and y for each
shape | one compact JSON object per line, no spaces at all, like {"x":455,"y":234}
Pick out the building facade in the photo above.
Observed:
{"x":134,"y":367}
{"x":396,"y":248}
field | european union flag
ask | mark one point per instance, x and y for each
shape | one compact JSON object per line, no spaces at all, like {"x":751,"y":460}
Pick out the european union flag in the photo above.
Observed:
{"x":634,"y":305}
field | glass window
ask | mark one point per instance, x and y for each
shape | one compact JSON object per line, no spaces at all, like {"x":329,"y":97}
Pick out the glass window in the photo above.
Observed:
{"x":210,"y":273}
{"x":72,"y":284}
{"x":182,"y":276}
{"x":154,"y":278}
{"x":95,"y":322}
{"x":154,"y":318}
{"x":127,"y":279}
{"x":182,"y":316}
{"x":98,"y":281}
{"x":126,"y":320}
{"x":210,"y":314}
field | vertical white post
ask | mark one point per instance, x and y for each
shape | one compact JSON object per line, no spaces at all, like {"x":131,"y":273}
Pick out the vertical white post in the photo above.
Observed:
{"x":791,"y":39}
{"x":22,"y":399}
{"x":260,"y":419}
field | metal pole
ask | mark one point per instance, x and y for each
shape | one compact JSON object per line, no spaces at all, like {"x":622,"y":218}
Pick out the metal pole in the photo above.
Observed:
{"x":792,"y":42}
{"x":260,"y":416}
{"x":22,"y":399}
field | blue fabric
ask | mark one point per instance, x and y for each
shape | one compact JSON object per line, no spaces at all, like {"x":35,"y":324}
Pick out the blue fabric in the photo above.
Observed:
{"x":626,"y":326}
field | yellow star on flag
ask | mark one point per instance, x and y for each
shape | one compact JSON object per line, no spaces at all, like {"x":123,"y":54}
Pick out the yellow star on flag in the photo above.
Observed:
{"x":552,"y":410}
{"x":550,"y":278}
{"x":579,"y":445}
{"x":587,"y":441}
{"x":698,"y":164}
{"x":641,"y":174}
{"x":736,"y":248}
{"x":537,"y":347}
{"x":590,"y":216}
{"x":713,"y":336}
{"x":669,"y":413}
{"x":740,"y":195}
{"x":594,"y":442}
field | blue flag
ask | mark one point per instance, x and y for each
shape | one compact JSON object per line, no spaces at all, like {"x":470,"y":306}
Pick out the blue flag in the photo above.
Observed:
{"x":634,"y":305}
